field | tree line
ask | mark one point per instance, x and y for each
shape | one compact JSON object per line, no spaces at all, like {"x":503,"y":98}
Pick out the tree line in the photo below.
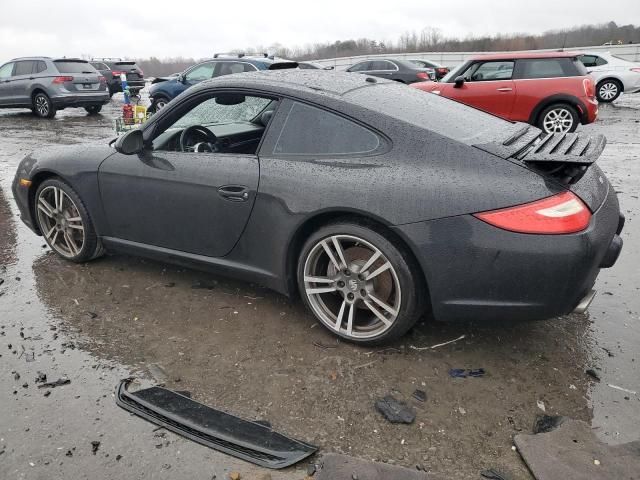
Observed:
{"x":428,"y":40}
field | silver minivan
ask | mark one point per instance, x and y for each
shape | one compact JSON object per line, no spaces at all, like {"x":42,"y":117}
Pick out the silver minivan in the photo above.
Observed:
{"x":46,"y":85}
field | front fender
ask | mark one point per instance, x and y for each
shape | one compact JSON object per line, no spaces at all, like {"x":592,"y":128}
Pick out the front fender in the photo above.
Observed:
{"x":77,"y":165}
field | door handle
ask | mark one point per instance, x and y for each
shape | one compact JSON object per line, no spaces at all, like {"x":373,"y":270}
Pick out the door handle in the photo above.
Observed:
{"x":234,"y":193}
{"x":504,"y":89}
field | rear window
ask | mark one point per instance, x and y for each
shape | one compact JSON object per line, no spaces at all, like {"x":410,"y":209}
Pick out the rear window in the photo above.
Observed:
{"x":549,"y":67}
{"x":65,"y":66}
{"x":125,"y":64}
{"x":432,"y":112}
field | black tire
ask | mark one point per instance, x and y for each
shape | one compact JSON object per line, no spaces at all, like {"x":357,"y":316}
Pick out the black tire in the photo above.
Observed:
{"x":42,"y":106}
{"x":93,"y":109}
{"x":608,"y":90}
{"x":91,"y":246}
{"x":158,"y":104}
{"x":566,"y":113}
{"x":409,"y":278}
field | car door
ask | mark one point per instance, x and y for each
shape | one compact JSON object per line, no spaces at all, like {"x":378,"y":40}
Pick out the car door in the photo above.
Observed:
{"x":187,"y":201}
{"x":6,"y":72}
{"x":20,"y":85}
{"x":488,"y":86}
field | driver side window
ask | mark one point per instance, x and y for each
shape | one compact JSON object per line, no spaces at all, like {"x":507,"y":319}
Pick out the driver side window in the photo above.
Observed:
{"x":5,"y":70}
{"x":224,"y":123}
{"x":201,"y":73}
{"x":487,"y":71}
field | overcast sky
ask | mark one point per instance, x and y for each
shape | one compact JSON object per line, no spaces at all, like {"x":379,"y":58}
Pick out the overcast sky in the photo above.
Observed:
{"x":196,"y":28}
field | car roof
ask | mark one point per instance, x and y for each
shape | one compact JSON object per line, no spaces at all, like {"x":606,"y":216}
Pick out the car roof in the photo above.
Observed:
{"x":29,"y":58}
{"x":518,"y":55}
{"x":318,"y":82}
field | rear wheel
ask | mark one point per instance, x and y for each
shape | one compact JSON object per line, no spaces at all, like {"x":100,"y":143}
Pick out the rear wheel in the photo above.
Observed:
{"x":65,"y":222}
{"x":42,"y":106}
{"x":358,"y":284}
{"x":558,"y":118}
{"x":608,"y":90}
{"x":93,"y":109}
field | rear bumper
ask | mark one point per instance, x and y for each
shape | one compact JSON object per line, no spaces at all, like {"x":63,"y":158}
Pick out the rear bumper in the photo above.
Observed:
{"x":590,"y":111}
{"x":80,"y":100}
{"x":475,"y":271}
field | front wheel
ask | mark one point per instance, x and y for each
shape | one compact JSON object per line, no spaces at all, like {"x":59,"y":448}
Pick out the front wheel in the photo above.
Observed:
{"x":359,"y":284}
{"x":42,"y":106}
{"x":65,"y":222}
{"x":608,"y":90}
{"x":93,"y":109}
{"x":158,"y":104}
{"x":558,"y":118}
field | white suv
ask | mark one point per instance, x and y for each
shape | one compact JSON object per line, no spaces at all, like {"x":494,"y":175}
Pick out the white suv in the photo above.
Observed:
{"x":612,"y":75}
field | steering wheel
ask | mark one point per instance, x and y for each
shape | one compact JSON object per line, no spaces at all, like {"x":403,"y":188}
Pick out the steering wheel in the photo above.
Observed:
{"x":189,"y":137}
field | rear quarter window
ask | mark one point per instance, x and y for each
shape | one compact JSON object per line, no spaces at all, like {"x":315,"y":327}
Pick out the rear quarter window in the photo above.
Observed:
{"x":549,"y":68}
{"x":311,"y":131}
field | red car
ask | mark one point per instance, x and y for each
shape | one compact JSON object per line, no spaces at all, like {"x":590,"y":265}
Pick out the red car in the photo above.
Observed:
{"x":548,"y":89}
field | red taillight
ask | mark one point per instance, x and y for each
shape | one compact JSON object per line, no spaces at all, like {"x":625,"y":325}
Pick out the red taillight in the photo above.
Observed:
{"x":102,"y":79}
{"x":589,"y":91}
{"x":116,"y":73}
{"x":140,"y":72}
{"x":561,"y":213}
{"x":637,"y":70}
{"x":442,"y":70}
{"x":422,"y":75}
{"x":62,"y":79}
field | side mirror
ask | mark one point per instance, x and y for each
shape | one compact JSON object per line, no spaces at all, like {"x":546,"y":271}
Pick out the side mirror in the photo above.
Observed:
{"x":182,"y":78}
{"x":458,"y":82}
{"x":130,"y":143}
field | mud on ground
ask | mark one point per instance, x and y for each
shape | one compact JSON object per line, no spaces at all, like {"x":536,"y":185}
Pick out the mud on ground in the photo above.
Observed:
{"x":246,"y":350}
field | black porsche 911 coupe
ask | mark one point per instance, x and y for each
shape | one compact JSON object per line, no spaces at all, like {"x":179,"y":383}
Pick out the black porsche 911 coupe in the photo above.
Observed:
{"x":374,"y":202}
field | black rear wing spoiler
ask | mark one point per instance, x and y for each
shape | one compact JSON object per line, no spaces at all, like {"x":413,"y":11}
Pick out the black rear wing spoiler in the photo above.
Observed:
{"x":566,"y":155}
{"x":252,"y":441}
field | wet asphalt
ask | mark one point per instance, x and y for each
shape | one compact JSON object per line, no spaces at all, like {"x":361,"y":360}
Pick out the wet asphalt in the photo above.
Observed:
{"x":246,"y":350}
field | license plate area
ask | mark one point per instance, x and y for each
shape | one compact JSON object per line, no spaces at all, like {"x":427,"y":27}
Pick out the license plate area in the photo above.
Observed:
{"x":87,"y":86}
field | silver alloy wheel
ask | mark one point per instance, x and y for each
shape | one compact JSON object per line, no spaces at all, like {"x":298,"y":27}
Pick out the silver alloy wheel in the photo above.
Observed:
{"x":42,"y":105}
{"x":558,"y":120}
{"x":60,"y":222}
{"x":352,"y":287}
{"x":608,"y":91}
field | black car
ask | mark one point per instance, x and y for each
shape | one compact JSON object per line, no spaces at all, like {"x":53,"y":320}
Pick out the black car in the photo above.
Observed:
{"x":440,"y":70}
{"x":393,"y":69}
{"x":346,"y":190}
{"x":112,"y":69}
{"x":313,"y":66}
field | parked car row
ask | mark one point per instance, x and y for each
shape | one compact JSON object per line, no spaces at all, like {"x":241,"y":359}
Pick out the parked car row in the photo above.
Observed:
{"x":113,"y":69}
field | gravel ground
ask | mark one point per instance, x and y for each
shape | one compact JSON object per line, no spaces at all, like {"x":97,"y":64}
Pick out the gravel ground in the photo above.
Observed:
{"x":246,"y":350}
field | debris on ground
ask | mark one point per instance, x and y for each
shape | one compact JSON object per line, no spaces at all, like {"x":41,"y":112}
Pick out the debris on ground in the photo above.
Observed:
{"x":394,"y":410}
{"x":546,"y":423}
{"x":201,"y":285}
{"x":213,"y":428}
{"x":58,"y":383}
{"x":342,"y":467}
{"x":464,"y":373}
{"x":592,"y":373}
{"x":616,"y":387}
{"x":41,"y":377}
{"x":572,"y":451}
{"x":95,"y":444}
{"x":420,"y":395}
{"x":234,"y":476}
{"x":493,"y":474}
{"x":541,"y":405}
{"x":438,"y":344}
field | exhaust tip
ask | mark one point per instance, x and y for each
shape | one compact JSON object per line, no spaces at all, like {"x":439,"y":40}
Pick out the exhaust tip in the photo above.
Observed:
{"x":585,"y":302}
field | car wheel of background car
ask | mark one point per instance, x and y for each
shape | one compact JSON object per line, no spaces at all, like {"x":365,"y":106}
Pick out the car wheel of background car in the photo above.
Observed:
{"x":558,"y":118}
{"x":42,"y":106}
{"x":158,"y":104}
{"x":358,"y":284}
{"x":93,"y":109}
{"x":608,"y":90}
{"x":65,"y":222}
